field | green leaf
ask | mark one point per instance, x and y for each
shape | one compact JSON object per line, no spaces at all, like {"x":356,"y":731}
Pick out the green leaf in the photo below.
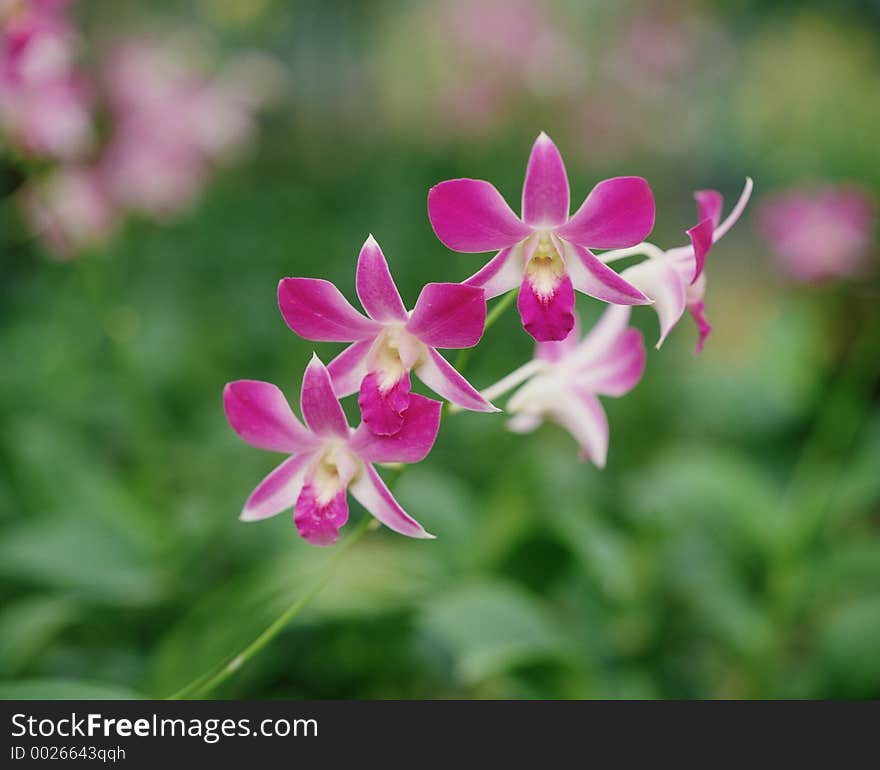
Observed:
{"x":97,"y":562}
{"x":28,"y":625}
{"x":849,"y":638}
{"x":491,"y":628}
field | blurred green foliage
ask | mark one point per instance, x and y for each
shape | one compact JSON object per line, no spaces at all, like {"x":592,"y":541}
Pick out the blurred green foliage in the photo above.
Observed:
{"x":730,"y":549}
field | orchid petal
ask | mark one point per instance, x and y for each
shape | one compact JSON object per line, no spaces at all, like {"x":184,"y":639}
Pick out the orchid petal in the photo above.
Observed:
{"x":319,"y":404}
{"x":449,"y":315}
{"x":619,"y":370}
{"x":259,"y":413}
{"x":701,"y":240}
{"x":316,"y":310}
{"x":278,"y":491}
{"x":470,"y":215}
{"x":610,"y":360}
{"x":319,"y":523}
{"x":524,"y":423}
{"x":370,"y":491}
{"x":500,"y":274}
{"x":590,"y":276}
{"x":547,"y":314}
{"x":663,"y":284}
{"x":619,"y":212}
{"x":710,"y":203}
{"x":349,"y":368}
{"x":581,"y":414}
{"x":601,"y":338}
{"x":545,"y":192}
{"x":697,"y":310}
{"x":382,"y":408}
{"x":731,"y":219}
{"x":410,"y":444}
{"x":555,"y":350}
{"x":441,"y":377}
{"x":375,"y":286}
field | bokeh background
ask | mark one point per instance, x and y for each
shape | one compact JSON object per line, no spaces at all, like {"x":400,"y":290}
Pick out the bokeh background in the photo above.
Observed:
{"x":730,"y":549}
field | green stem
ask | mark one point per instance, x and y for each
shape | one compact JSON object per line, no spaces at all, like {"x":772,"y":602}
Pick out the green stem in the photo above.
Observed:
{"x":208,"y":682}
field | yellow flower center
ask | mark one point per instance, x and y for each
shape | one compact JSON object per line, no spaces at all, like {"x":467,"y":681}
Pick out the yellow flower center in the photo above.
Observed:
{"x":545,"y":267}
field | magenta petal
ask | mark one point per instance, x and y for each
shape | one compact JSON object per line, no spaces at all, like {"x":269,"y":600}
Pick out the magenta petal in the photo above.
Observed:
{"x":441,"y":377}
{"x":375,"y":286}
{"x":697,"y":310}
{"x":611,"y":358}
{"x":349,"y":368}
{"x":547,"y":316}
{"x":701,"y":239}
{"x":662,"y":283}
{"x":709,"y":206}
{"x":500,"y":274}
{"x":316,"y":310}
{"x":449,"y":315}
{"x":617,"y":213}
{"x":410,"y":444}
{"x":370,"y":491}
{"x":545,"y":192}
{"x":470,"y":215}
{"x":320,"y":407}
{"x":318,"y":523}
{"x":591,"y":276}
{"x":278,"y":491}
{"x":382,"y":410}
{"x":553,"y":351}
{"x":259,"y":413}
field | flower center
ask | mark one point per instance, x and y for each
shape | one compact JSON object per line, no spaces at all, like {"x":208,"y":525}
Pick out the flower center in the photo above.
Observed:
{"x":545,"y":268}
{"x":333,"y":470}
{"x":393,"y":354}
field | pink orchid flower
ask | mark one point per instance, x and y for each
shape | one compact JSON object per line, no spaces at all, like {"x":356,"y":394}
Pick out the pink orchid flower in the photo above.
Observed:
{"x":674,"y":279}
{"x":328,"y":458}
{"x":546,"y":253}
{"x":390,"y":343}
{"x":564,"y":379}
{"x":820,"y":234}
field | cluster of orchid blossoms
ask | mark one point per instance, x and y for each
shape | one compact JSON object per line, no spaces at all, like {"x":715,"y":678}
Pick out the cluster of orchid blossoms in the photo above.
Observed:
{"x":140,"y":135}
{"x":547,"y":255}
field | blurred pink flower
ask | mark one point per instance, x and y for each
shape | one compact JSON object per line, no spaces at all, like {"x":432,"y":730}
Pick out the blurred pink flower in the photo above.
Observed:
{"x":390,"y":343}
{"x":327,"y":458}
{"x":172,"y":125}
{"x":45,"y":104}
{"x":819,"y":233}
{"x":565,"y":378}
{"x":70,"y":209}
